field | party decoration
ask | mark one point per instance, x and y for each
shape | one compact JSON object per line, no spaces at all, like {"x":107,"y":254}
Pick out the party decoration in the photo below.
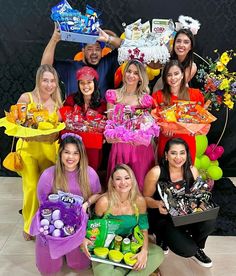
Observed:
{"x":187,"y":22}
{"x":215,"y":172}
{"x":214,"y":152}
{"x":197,"y":163}
{"x":201,"y":144}
{"x":204,"y":161}
{"x":219,"y":84}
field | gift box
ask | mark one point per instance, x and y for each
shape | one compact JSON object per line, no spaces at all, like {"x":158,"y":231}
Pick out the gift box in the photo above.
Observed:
{"x":92,"y":140}
{"x":77,"y":37}
{"x":196,"y":217}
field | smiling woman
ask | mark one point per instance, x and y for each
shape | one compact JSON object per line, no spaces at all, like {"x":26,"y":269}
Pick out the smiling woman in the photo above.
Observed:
{"x":174,"y":88}
{"x":124,"y":203}
{"x":176,"y":171}
{"x":38,"y":154}
{"x":86,"y":103}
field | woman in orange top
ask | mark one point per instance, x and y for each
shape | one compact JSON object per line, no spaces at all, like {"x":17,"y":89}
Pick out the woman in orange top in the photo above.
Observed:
{"x":174,"y":88}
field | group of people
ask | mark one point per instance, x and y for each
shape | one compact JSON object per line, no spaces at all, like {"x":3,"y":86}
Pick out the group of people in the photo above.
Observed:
{"x":50,"y":165}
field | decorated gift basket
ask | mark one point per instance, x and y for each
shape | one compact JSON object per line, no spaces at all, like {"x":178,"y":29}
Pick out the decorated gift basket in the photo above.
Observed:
{"x":89,"y":125}
{"x":130,"y":125}
{"x":183,"y":117}
{"x":60,"y":223}
{"x":29,"y":120}
{"x":75,"y":26}
{"x":111,"y":248}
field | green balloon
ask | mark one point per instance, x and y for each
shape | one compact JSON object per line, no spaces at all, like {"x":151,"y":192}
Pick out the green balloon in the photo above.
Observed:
{"x":197,"y":163}
{"x":214,"y":172}
{"x":201,"y":144}
{"x":215,"y":163}
{"x":203,"y":175}
{"x":204,"y":162}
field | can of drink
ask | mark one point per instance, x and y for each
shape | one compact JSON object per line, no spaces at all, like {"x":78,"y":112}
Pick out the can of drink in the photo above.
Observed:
{"x":117,"y":243}
{"x":125,"y":247}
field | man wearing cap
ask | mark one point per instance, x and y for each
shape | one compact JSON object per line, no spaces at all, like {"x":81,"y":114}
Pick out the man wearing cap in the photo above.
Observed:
{"x":105,"y":66}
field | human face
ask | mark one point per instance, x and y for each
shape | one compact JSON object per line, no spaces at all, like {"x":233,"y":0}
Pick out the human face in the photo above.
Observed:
{"x":86,"y":87}
{"x":47,"y":84}
{"x":92,"y":54}
{"x":132,"y":75}
{"x":176,"y":155}
{"x":182,"y":46}
{"x":174,"y":77}
{"x":70,"y":157}
{"x":122,"y":181}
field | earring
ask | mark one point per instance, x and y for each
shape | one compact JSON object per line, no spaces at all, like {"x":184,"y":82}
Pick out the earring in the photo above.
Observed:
{"x":139,"y":82}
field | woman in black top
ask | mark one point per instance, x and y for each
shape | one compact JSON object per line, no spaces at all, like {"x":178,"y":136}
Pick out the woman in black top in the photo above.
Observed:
{"x":176,"y":168}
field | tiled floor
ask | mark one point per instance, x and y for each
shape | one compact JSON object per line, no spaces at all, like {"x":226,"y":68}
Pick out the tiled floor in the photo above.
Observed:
{"x":17,"y":256}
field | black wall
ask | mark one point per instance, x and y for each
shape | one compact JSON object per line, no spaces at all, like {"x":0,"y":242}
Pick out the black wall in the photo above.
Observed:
{"x":26,"y":28}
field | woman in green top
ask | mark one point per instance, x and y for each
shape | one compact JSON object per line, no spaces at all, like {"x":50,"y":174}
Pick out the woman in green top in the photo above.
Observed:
{"x":124,"y":202}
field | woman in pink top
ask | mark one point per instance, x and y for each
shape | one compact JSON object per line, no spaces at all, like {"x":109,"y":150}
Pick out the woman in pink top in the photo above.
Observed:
{"x":133,"y":93}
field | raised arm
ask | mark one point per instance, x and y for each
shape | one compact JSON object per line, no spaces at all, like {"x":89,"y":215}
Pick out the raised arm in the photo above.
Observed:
{"x":109,"y":37}
{"x":49,"y":51}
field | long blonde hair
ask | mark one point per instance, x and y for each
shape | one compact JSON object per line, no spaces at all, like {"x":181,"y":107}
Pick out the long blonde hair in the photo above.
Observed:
{"x":56,"y":95}
{"x":112,"y":195}
{"x":142,"y":87}
{"x":60,"y":179}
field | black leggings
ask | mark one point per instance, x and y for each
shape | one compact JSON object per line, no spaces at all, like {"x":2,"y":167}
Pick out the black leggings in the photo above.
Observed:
{"x":182,"y":240}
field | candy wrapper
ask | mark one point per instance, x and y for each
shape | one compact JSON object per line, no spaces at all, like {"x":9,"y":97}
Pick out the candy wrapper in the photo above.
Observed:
{"x":74,"y":25}
{"x":183,"y":117}
{"x":182,"y":202}
{"x":101,"y":232}
{"x":130,"y":125}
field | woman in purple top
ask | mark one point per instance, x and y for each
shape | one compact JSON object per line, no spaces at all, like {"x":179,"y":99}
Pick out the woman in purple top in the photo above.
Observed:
{"x":70,"y":174}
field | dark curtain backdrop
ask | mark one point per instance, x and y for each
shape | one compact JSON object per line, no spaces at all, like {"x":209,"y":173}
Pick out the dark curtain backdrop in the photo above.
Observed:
{"x":26,"y":28}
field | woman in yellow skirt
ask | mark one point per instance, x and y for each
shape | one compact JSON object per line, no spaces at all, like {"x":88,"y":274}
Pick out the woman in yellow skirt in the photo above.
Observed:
{"x":38,"y":152}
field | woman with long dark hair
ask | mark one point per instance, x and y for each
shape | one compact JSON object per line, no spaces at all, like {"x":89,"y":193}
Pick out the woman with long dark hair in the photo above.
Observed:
{"x":71,"y":174}
{"x":176,"y":169}
{"x":182,"y":51}
{"x":174,"y":88}
{"x":87,"y":99}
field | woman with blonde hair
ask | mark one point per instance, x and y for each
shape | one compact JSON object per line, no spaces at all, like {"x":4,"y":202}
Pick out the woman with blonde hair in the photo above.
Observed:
{"x":133,"y":95}
{"x":70,"y":174}
{"x":124,"y":202}
{"x":39,"y":152}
